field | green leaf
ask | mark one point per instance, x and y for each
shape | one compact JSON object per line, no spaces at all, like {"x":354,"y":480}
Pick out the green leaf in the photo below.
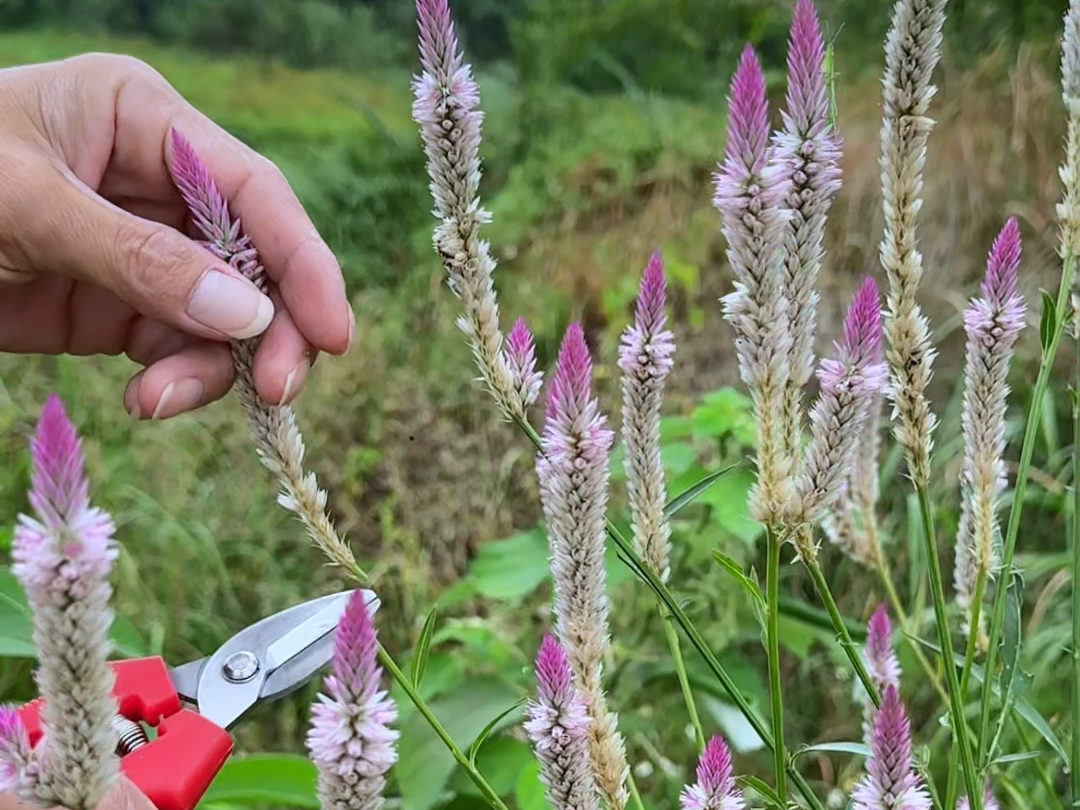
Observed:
{"x":425,"y":764}
{"x":423,"y":648}
{"x":854,"y":748}
{"x":676,"y":504}
{"x":279,"y":779}
{"x":501,"y":761}
{"x":722,"y":413}
{"x":736,"y":571}
{"x":510,"y":569}
{"x":729,"y":498}
{"x":497,"y":720}
{"x":530,"y":790}
{"x":1022,"y":756}
{"x":1048,"y":322}
{"x":764,"y":790}
{"x":1013,"y":679}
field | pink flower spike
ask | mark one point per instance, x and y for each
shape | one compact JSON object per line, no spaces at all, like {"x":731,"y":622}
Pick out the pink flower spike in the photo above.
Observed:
{"x":63,"y":560}
{"x":748,"y":117}
{"x":881,"y":660}
{"x":891,"y":782}
{"x":715,"y":787}
{"x":570,"y":387}
{"x":350,"y":741}
{"x":521,"y":360}
{"x":1003,"y":265}
{"x":862,"y":328}
{"x":208,"y":208}
{"x":558,"y":725}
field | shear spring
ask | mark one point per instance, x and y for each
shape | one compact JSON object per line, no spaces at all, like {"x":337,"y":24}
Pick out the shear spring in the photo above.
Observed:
{"x":131,"y":735}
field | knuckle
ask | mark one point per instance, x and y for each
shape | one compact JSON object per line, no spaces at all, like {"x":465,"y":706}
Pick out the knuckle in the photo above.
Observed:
{"x":115,"y":64}
{"x":152,"y":258}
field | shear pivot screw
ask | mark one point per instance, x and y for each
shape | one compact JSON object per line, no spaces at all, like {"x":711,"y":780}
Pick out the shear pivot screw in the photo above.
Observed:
{"x":240,"y":667}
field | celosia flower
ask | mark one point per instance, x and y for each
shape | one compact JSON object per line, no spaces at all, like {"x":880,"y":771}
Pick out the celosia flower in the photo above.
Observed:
{"x":990,"y":801}
{"x":558,"y":725}
{"x":447,"y":109}
{"x":992,"y":323}
{"x":572,"y":468}
{"x":808,"y":150}
{"x":891,"y":782}
{"x":715,"y":787}
{"x":63,"y":558}
{"x":350,"y":741}
{"x":749,"y":196}
{"x":17,"y":767}
{"x":882,"y":665}
{"x":850,"y":382}
{"x":912,"y":51}
{"x":521,"y":359}
{"x":1068,"y":210}
{"x":277,"y":438}
{"x":645,"y":358}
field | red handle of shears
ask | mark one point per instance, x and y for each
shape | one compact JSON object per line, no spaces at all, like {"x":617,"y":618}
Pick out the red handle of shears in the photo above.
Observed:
{"x":174,"y":770}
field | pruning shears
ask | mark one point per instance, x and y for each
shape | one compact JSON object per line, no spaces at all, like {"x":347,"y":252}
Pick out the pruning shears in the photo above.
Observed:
{"x":261,"y":663}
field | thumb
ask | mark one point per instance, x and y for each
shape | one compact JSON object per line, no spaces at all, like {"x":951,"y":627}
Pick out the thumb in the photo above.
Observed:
{"x":51,"y":222}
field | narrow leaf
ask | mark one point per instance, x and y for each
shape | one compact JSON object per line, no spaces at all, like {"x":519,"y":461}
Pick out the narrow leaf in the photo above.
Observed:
{"x":764,"y":790}
{"x":260,"y":779}
{"x":1048,"y":322}
{"x":679,"y":502}
{"x":1022,"y":756}
{"x":1013,"y":679}
{"x":854,"y":748}
{"x":479,"y":741}
{"x":423,"y":647}
{"x":736,"y":571}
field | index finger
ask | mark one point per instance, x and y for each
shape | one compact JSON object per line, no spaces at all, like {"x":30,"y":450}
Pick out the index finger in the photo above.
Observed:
{"x":293,"y":253}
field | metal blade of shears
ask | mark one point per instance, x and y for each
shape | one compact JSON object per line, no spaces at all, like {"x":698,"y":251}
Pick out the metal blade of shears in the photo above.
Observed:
{"x":266,"y":660}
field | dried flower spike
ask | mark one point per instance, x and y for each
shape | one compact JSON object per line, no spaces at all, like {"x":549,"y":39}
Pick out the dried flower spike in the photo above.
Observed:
{"x":912,"y":51}
{"x":277,"y":437}
{"x":63,"y":558}
{"x":572,"y":468}
{"x":891,"y":782}
{"x":350,"y":741}
{"x":992,"y":323}
{"x":447,"y":109}
{"x":749,"y":196}
{"x":808,"y":150}
{"x":715,"y":787}
{"x":1068,"y":210}
{"x":645,"y":359}
{"x":558,"y":725}
{"x":850,"y":383}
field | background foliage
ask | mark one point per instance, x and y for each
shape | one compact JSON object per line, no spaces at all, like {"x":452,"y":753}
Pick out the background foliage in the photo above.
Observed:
{"x":604,"y":122}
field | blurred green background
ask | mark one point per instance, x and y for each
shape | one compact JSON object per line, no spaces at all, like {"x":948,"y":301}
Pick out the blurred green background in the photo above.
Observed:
{"x":605,"y":119}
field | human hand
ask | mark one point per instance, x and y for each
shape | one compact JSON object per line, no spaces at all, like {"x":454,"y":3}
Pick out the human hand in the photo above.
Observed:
{"x":123,"y":796}
{"x":93,"y":256}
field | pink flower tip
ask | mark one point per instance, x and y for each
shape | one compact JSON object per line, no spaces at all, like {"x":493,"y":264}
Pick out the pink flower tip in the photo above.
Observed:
{"x":715,"y":786}
{"x":570,"y":387}
{"x":553,"y":674}
{"x":355,"y":668}
{"x":807,"y":50}
{"x":652,"y":296}
{"x":58,"y":486}
{"x":1003,"y":265}
{"x":519,"y":343}
{"x":748,"y":116}
{"x":879,"y":631}
{"x":862,"y":327}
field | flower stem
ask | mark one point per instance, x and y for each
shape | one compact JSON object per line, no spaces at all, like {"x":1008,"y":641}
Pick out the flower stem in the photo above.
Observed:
{"x":477,"y":778}
{"x":1031,"y":435}
{"x":776,"y":697}
{"x":635,"y":794}
{"x":1075,"y":770}
{"x":684,"y":682}
{"x":850,"y":648}
{"x":956,"y":697}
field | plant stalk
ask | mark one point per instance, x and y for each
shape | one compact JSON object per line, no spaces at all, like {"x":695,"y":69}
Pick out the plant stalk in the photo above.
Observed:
{"x":684,"y":682}
{"x":776,"y":697}
{"x":956,"y":699}
{"x":850,"y":648}
{"x":1031,"y":436}
{"x":477,"y":778}
{"x":1074,"y":777}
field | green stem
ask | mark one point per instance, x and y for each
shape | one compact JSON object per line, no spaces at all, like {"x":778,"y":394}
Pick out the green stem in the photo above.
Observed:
{"x":635,"y":795}
{"x":973,"y":634}
{"x":956,"y":698}
{"x":1040,"y":766}
{"x":684,"y":682}
{"x":1031,"y":435}
{"x":470,"y":770}
{"x":1075,"y":770}
{"x":850,"y":648}
{"x":632,"y":560}
{"x":776,"y":697}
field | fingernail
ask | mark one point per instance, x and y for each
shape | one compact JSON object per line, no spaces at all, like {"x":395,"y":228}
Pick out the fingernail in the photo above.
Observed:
{"x":352,"y":329}
{"x":293,"y":381}
{"x":131,"y":399}
{"x":178,"y":397}
{"x":230,"y":304}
